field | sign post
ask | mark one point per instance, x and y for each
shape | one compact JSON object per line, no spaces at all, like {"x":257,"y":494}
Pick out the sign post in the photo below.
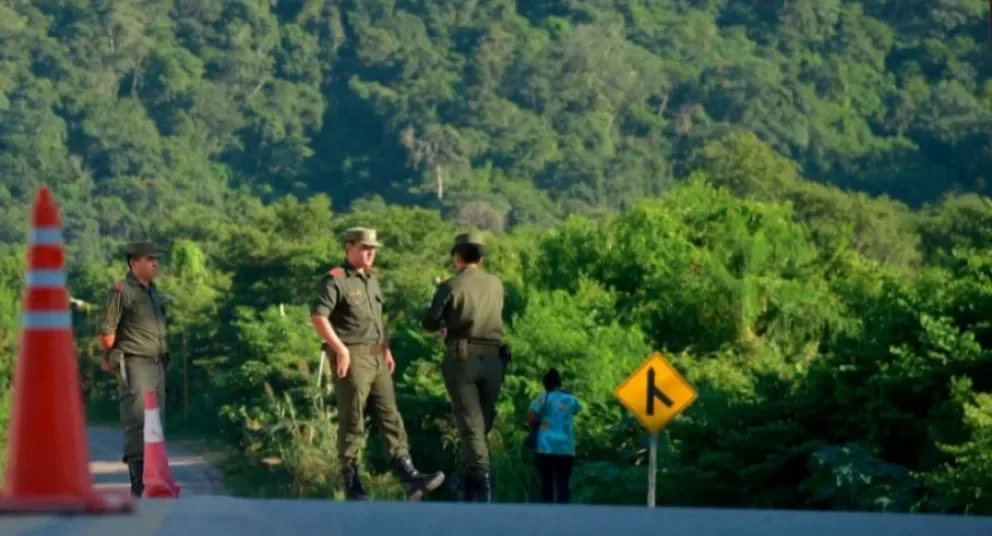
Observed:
{"x":652,"y":468}
{"x":656,"y":394}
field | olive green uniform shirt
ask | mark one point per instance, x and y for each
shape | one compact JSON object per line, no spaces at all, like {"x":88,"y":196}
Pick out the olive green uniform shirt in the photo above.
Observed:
{"x":135,"y":315}
{"x":352,"y":301}
{"x":469,"y":305}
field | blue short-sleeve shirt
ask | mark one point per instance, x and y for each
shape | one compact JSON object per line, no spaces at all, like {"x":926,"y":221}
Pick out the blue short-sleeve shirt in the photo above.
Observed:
{"x":557,"y":432}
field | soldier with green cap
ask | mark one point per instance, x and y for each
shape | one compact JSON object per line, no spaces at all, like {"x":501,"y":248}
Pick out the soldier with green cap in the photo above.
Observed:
{"x":468,"y":310}
{"x":347,"y":315}
{"x":133,"y":333}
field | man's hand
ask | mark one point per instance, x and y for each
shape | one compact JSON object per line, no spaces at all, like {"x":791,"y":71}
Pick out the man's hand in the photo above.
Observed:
{"x":443,"y":333}
{"x":390,"y":362}
{"x":343,"y":361}
{"x":105,"y":365}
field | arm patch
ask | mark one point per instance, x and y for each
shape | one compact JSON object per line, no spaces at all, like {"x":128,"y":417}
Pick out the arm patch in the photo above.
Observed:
{"x":119,"y":286}
{"x":336,"y":272}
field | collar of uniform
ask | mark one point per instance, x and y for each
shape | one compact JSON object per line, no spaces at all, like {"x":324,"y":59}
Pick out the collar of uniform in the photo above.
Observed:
{"x":134,"y":281}
{"x":351,"y":271}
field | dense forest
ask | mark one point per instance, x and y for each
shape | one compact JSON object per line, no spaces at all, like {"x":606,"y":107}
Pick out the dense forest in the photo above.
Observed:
{"x":787,"y":198}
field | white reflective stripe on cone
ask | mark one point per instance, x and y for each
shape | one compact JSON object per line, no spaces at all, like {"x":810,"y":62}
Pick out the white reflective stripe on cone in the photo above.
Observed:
{"x":153,"y":427}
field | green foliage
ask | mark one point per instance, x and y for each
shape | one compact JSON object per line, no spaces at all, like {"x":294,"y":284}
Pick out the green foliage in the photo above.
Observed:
{"x":651,"y":176}
{"x":11,"y":277}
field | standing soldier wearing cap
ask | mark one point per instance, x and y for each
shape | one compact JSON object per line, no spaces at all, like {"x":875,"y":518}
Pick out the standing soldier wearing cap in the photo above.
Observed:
{"x":347,"y":315}
{"x":133,"y":333}
{"x":468,"y":310}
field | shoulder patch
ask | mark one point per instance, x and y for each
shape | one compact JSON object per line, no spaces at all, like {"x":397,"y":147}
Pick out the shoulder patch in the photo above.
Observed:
{"x":119,"y":286}
{"x":336,"y":272}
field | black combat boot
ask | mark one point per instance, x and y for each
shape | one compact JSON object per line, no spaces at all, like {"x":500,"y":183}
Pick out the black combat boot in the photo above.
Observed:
{"x":136,"y":473}
{"x":354,"y":490}
{"x":467,"y":488}
{"x":483,"y":489}
{"x":414,"y":482}
{"x":476,"y":487}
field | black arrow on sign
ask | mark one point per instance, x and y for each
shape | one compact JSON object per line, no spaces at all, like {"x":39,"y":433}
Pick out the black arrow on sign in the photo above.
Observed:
{"x":654,"y":392}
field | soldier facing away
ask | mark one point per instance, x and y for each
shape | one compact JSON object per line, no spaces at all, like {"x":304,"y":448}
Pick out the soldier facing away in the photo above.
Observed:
{"x":468,"y":310}
{"x":347,"y":315}
{"x":133,"y":333}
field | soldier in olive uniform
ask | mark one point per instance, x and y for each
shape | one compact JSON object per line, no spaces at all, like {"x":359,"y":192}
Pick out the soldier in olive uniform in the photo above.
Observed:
{"x":468,"y":310}
{"x":347,"y":315}
{"x":133,"y":333}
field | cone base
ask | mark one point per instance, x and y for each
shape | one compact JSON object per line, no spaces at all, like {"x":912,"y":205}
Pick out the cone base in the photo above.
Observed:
{"x":161,"y":490}
{"x":97,"y":502}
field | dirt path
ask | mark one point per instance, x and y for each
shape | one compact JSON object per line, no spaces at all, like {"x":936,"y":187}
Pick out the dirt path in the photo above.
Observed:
{"x":196,"y":475}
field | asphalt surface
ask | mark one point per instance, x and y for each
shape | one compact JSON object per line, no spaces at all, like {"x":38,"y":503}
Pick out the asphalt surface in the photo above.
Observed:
{"x":217,"y":516}
{"x":194,"y":474}
{"x":202,"y":510}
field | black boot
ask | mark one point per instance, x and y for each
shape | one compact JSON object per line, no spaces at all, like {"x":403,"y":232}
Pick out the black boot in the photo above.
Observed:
{"x":354,"y":490}
{"x":414,"y":482}
{"x":466,"y":488}
{"x":136,"y":473}
{"x":484,"y":491}
{"x":476,"y":487}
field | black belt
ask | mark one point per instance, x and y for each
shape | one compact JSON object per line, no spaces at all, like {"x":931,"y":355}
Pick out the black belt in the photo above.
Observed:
{"x":480,"y":342}
{"x":487,"y":342}
{"x":370,"y":346}
{"x":149,"y":357}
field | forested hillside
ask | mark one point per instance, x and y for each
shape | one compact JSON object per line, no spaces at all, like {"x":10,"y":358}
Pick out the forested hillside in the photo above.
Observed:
{"x":787,"y":197}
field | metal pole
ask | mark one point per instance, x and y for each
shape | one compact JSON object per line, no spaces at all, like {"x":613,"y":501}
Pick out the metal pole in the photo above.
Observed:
{"x":652,"y":468}
{"x":185,"y":376}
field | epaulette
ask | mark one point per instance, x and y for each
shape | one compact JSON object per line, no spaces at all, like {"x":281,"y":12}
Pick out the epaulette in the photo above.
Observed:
{"x":119,"y":286}
{"x":336,"y":272}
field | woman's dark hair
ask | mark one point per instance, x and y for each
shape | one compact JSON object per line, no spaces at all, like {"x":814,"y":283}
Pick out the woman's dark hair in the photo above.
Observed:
{"x":551,"y":380}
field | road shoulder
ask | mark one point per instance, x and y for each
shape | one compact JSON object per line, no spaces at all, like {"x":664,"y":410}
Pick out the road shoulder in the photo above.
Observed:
{"x":192,"y":463}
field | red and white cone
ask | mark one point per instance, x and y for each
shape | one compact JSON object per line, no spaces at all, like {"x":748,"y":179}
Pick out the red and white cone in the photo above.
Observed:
{"x":48,"y":456}
{"x":158,"y":480}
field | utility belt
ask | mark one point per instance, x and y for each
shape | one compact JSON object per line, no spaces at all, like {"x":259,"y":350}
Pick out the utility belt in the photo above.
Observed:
{"x":154,"y":359}
{"x":462,"y":347}
{"x":118,"y":361}
{"x":361,"y":348}
{"x":491,"y":343}
{"x":117,"y":357}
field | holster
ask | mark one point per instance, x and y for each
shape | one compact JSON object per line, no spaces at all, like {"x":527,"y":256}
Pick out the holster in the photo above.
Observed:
{"x":114,"y":358}
{"x":505,"y":355}
{"x":461,"y":349}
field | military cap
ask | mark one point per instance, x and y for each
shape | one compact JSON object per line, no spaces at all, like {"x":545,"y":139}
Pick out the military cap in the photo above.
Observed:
{"x":143,"y":249}
{"x":363,"y":236}
{"x":473,"y":238}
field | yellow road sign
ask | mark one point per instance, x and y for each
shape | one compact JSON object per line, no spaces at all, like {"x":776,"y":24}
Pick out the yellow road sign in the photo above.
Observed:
{"x":656,"y":393}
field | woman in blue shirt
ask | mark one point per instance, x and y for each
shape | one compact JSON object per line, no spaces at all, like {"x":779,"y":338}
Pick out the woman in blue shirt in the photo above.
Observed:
{"x":555,"y":408}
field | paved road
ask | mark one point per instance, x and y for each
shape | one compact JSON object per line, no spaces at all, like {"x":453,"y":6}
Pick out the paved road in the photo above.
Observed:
{"x":195,"y":474}
{"x":201,"y":511}
{"x":226,"y":516}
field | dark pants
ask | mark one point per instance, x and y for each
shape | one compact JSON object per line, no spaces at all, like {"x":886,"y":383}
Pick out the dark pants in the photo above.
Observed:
{"x":368,"y":378}
{"x":555,"y":471}
{"x":143,"y":374}
{"x":473,"y":382}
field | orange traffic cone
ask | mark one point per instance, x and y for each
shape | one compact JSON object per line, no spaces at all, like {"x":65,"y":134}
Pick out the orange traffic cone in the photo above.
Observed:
{"x":48,"y":455}
{"x":157,"y":477}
